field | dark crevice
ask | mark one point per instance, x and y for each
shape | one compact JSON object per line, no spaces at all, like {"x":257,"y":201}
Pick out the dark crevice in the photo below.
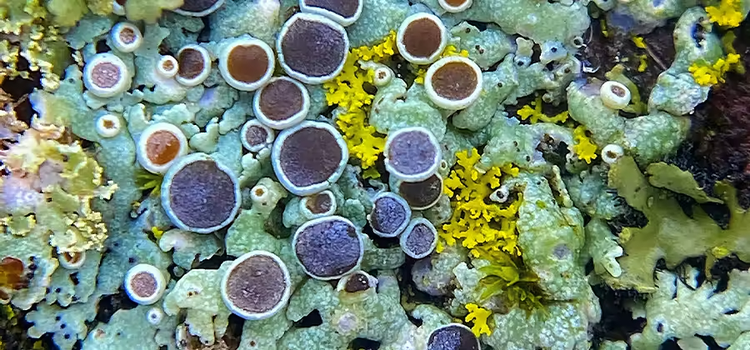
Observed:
{"x":364,"y":344}
{"x":113,"y":303}
{"x":617,"y":322}
{"x":313,"y":319}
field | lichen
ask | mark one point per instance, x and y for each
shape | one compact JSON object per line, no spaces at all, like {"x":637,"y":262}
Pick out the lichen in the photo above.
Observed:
{"x":667,"y":223}
{"x":682,"y":308}
{"x":472,"y":215}
{"x":533,"y":212}
{"x":347,"y":91}
{"x":55,"y":183}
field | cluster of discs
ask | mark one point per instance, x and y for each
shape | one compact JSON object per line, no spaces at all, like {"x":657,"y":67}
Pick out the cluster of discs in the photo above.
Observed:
{"x":452,"y":82}
{"x":201,"y":195}
{"x":412,"y":158}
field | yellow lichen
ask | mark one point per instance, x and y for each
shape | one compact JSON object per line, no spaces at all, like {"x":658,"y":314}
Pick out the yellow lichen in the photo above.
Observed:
{"x":362,"y":139}
{"x":157,"y":232}
{"x":643,"y":59}
{"x":638,"y":41}
{"x":706,"y":74}
{"x":477,"y":224}
{"x":347,"y":91}
{"x":535,"y":113}
{"x":584,"y":148}
{"x":727,"y":42}
{"x":727,"y":14}
{"x":479,"y":316}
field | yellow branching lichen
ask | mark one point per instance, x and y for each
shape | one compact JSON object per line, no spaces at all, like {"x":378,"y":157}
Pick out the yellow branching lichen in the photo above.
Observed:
{"x":643,"y":62}
{"x":479,"y":316}
{"x":361,"y":138}
{"x":450,"y":50}
{"x":728,"y":42}
{"x":727,"y":14}
{"x":347,"y":91}
{"x":157,"y":232}
{"x":476,"y":223}
{"x":584,"y":148}
{"x":706,"y":74}
{"x":638,"y":41}
{"x":535,"y":113}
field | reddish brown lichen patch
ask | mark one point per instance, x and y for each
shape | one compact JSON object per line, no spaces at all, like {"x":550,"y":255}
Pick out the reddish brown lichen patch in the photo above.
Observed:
{"x":143,"y":284}
{"x":105,"y":75}
{"x":247,"y":63}
{"x":455,"y":81}
{"x":12,"y":277}
{"x":162,"y":147}
{"x":422,"y":38}
{"x":191,"y":63}
{"x":127,"y":35}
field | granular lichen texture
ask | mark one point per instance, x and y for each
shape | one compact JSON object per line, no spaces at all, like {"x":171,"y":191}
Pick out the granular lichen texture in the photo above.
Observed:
{"x":374,"y":174}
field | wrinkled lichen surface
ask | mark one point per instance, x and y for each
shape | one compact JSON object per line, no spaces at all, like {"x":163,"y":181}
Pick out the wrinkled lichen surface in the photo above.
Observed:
{"x":556,"y":211}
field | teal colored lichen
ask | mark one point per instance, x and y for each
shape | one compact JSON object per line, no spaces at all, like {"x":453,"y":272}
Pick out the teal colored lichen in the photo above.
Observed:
{"x":676,"y":91}
{"x":529,"y":200}
{"x":682,"y":308}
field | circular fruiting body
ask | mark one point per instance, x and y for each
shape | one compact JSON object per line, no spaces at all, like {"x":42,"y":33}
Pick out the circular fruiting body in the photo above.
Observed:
{"x":455,"y":6}
{"x":318,"y":205}
{"x":328,"y":248}
{"x":247,"y":64}
{"x":282,"y":103}
{"x":199,"y":8}
{"x":359,"y":281}
{"x":343,"y":12}
{"x":312,"y":48}
{"x":193,"y":65}
{"x":154,"y":315}
{"x":309,"y":157}
{"x":421,"y":38}
{"x":200,"y":194}
{"x":256,"y":136}
{"x":382,"y":76}
{"x":108,"y":125}
{"x":453,"y":82}
{"x":256,"y":285}
{"x":612,"y":153}
{"x":159,"y":146}
{"x":390,"y":215}
{"x":106,"y":75}
{"x":167,"y":67}
{"x":144,"y":284}
{"x":125,"y":37}
{"x":421,"y":195}
{"x":454,"y":336}
{"x":412,"y":154}
{"x":614,"y":95}
{"x":419,"y":239}
{"x":72,"y":260}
